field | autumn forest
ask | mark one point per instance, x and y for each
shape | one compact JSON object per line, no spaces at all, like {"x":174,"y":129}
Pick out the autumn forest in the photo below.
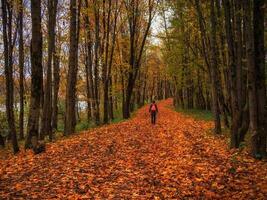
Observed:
{"x":133,"y":99}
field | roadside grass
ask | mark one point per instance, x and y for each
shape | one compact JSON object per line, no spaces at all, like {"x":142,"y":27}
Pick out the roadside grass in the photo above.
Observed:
{"x":83,"y":123}
{"x":197,"y":114}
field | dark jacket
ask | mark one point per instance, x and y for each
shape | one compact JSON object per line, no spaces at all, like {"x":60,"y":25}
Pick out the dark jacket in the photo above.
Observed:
{"x":151,"y":107}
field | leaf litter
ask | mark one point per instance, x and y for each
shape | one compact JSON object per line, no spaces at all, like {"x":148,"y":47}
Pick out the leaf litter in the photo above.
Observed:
{"x":175,"y":159}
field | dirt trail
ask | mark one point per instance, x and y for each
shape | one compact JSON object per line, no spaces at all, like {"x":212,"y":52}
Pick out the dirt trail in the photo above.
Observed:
{"x":175,"y":159}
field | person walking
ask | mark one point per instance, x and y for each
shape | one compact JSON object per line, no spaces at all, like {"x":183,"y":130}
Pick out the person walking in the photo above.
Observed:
{"x":153,"y":110}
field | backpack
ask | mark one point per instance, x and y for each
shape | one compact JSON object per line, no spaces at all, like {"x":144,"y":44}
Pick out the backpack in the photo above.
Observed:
{"x":153,"y":107}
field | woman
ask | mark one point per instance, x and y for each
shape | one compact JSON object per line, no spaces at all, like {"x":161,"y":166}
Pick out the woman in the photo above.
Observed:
{"x":153,"y":109}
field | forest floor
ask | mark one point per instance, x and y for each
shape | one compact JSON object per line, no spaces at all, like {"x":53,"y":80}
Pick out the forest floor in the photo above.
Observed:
{"x":178,"y":158}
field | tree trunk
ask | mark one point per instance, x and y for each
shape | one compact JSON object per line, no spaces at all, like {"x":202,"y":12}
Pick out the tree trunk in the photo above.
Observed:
{"x":105,"y":64}
{"x":96,"y":70}
{"x":256,"y":77}
{"x":21,"y":72}
{"x":214,"y":70}
{"x":224,"y":98}
{"x":88,"y":88}
{"x":89,"y":65}
{"x":36,"y":74}
{"x":56,"y":71}
{"x":259,"y":29}
{"x":135,"y":52}
{"x":144,"y":90}
{"x":47,"y":108}
{"x":70,"y":119}
{"x":8,"y":63}
{"x":236,"y":115}
{"x":2,"y":141}
{"x":238,"y":46}
{"x":111,"y":113}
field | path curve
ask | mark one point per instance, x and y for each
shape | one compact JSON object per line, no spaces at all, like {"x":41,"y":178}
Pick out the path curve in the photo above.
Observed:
{"x":175,"y":159}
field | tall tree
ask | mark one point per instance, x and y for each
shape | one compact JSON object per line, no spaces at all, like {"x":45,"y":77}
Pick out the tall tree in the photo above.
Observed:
{"x":70,"y":119}
{"x":109,"y":52}
{"x":259,"y":29}
{"x":214,"y":70}
{"x":236,"y":114}
{"x":256,"y":76}
{"x":211,"y":60}
{"x":21,"y":71}
{"x":56,"y":80}
{"x":89,"y":64}
{"x":47,"y":108}
{"x":36,"y":74}
{"x":7,"y":14}
{"x":138,"y":38}
{"x":96,"y":60}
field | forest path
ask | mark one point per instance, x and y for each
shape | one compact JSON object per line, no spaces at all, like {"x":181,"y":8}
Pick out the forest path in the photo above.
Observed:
{"x":175,"y":159}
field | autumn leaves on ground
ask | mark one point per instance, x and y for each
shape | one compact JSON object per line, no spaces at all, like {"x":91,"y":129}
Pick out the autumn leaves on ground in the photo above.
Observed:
{"x":175,"y":159}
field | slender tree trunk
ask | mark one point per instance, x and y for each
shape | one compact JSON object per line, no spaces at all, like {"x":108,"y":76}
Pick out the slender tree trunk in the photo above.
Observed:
{"x":143,"y":88}
{"x":238,"y":45}
{"x":2,"y":141}
{"x":88,"y":90}
{"x":8,"y":63}
{"x":253,"y":115}
{"x":21,"y":72}
{"x":96,"y":70}
{"x":105,"y":66}
{"x":36,"y":74}
{"x":111,"y":113}
{"x":232,"y":67}
{"x":123,"y":91}
{"x":135,"y":52}
{"x":47,"y":108}
{"x":56,"y":71}
{"x":214,"y":75}
{"x":204,"y":40}
{"x":224,"y":98}
{"x":108,"y":109}
{"x":128,"y":96}
{"x":70,"y":119}
{"x":89,"y":65}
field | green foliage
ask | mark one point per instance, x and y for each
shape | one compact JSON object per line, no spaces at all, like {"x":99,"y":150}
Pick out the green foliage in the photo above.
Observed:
{"x":3,"y":124}
{"x":232,"y":170}
{"x":117,"y":116}
{"x":205,"y":115}
{"x":234,"y":159}
{"x":242,"y":145}
{"x":83,"y":125}
{"x":60,"y":126}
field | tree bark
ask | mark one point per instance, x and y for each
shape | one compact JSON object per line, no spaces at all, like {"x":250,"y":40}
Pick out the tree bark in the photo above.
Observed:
{"x":256,"y":76}
{"x":89,"y":66}
{"x":7,"y":10}
{"x":96,"y":68}
{"x":236,"y":115}
{"x":21,"y":72}
{"x":111,"y":113}
{"x":56,"y":71}
{"x":2,"y":141}
{"x":70,"y":118}
{"x":133,"y":9}
{"x":214,"y":70}
{"x":47,"y":108}
{"x":105,"y":64}
{"x":259,"y":29}
{"x":36,"y":74}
